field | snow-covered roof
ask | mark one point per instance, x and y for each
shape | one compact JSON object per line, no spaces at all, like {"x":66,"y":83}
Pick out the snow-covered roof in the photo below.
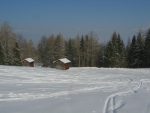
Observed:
{"x":64,"y":60}
{"x":29,"y":60}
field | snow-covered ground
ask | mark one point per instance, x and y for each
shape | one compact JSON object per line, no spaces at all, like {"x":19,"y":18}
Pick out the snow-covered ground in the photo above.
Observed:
{"x":77,"y":90}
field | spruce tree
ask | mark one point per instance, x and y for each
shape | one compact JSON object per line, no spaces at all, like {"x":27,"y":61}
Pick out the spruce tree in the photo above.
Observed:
{"x":101,"y":56}
{"x":108,"y":54}
{"x":139,"y":51}
{"x":17,"y":58}
{"x":59,"y":47}
{"x":131,"y":53}
{"x":82,"y":50}
{"x":70,"y":51}
{"x":1,"y":55}
{"x":127,"y":51}
{"x":121,"y":51}
{"x":43,"y":51}
{"x":115,"y":52}
{"x":147,"y":50}
{"x":50,"y":50}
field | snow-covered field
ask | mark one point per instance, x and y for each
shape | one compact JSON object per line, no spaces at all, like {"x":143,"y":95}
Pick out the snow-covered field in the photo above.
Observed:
{"x":77,"y":90}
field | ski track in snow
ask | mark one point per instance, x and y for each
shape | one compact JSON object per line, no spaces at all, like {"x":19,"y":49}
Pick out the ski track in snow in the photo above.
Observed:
{"x":27,"y":84}
{"x":111,"y":106}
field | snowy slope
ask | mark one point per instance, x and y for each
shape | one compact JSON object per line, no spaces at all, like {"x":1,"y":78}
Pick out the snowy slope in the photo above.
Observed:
{"x":77,"y":90}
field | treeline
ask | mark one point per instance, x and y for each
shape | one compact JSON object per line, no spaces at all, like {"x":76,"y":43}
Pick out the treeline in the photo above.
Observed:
{"x":135,"y":55}
{"x":83,"y":51}
{"x":87,"y":51}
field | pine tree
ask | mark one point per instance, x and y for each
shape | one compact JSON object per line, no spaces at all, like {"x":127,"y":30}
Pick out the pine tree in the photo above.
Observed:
{"x":131,"y":53}
{"x":108,"y":53}
{"x":82,"y":51}
{"x":147,"y":50}
{"x":78,"y":53}
{"x":139,"y":51}
{"x":1,"y":55}
{"x":121,"y":51}
{"x":101,"y":57}
{"x":43,"y":51}
{"x":59,"y":47}
{"x":115,"y":52}
{"x":17,"y":58}
{"x":50,"y":50}
{"x":70,"y":51}
{"x":127,"y":51}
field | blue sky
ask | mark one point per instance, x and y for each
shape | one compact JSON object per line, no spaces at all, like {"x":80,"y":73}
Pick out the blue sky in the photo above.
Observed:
{"x":35,"y":18}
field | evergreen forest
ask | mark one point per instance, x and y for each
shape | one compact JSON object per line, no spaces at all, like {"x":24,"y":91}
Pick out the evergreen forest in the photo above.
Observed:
{"x":83,"y":50}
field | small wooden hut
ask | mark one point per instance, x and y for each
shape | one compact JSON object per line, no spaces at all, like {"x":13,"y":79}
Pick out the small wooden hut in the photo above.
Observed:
{"x":28,"y":62}
{"x":63,"y":63}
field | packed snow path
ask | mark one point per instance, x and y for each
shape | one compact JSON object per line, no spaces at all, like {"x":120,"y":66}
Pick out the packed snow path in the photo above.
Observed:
{"x":77,"y":90}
